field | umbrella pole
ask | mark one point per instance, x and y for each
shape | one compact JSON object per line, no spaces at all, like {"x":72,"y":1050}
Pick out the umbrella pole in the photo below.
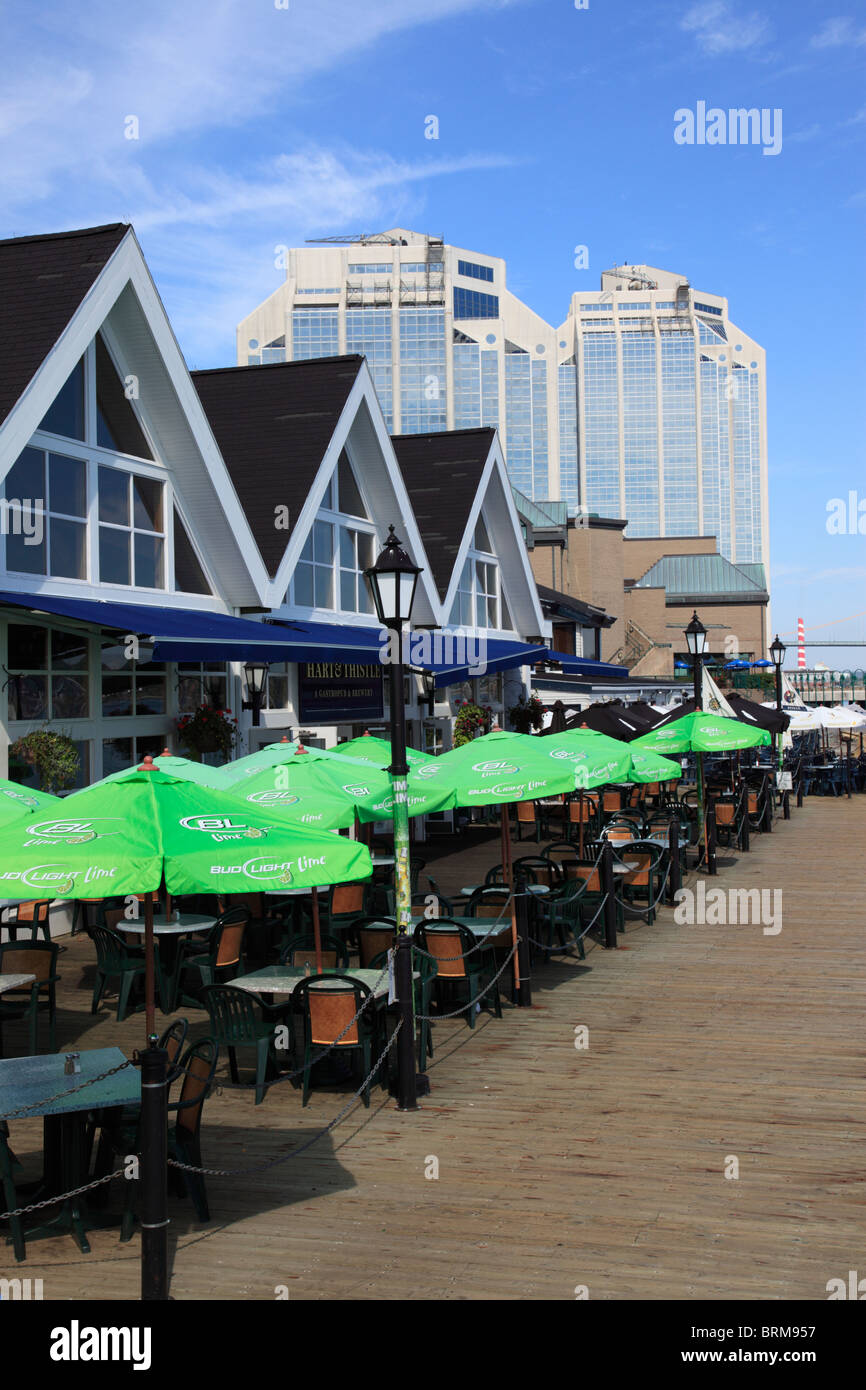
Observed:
{"x":702,"y":825}
{"x":580,"y":822}
{"x":149,"y":992}
{"x":508,"y":875}
{"x":317,"y":931}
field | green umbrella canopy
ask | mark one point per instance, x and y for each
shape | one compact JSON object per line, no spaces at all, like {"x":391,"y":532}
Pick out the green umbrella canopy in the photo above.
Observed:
{"x":125,"y":836}
{"x":16,"y":801}
{"x":701,"y":733}
{"x":363,"y":788}
{"x":498,"y":768}
{"x":184,"y":768}
{"x":600,"y":758}
{"x":371,"y":749}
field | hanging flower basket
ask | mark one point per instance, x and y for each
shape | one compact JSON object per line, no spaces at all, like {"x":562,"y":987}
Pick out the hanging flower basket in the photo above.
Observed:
{"x":526,"y":715}
{"x":53,"y":757}
{"x":208,"y":730}
{"x":471,"y":722}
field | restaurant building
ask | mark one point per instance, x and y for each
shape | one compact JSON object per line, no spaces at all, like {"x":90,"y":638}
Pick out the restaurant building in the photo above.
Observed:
{"x":163,"y":529}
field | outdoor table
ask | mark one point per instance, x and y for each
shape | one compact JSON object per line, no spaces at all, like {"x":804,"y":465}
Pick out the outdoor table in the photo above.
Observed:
{"x":15,"y":981}
{"x":480,"y":927}
{"x":189,"y":922}
{"x":381,"y":860}
{"x":30,"y":1080}
{"x":284,"y":979}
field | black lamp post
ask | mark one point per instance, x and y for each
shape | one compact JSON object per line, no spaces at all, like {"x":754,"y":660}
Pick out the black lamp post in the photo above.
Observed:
{"x":777,"y":653}
{"x":256,"y":673}
{"x":393,"y":580}
{"x":696,"y":637}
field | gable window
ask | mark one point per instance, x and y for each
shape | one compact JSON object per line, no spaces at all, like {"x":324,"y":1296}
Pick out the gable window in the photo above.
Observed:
{"x":48,"y":673}
{"x":51,"y":491}
{"x":131,"y":529}
{"x":341,"y":545}
{"x":479,"y":601}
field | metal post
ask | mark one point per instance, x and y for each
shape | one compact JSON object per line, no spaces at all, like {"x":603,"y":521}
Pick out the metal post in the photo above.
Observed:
{"x":786,"y":805}
{"x":744,"y":833}
{"x":674,"y":856}
{"x":711,"y":836}
{"x":409,"y":1084}
{"x":154,"y":1173}
{"x":768,"y":804}
{"x":522,"y":996}
{"x":607,"y":886}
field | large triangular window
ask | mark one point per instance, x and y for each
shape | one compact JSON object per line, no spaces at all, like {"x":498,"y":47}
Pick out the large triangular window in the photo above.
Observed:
{"x":66,"y":415}
{"x":117,"y":424}
{"x":189,"y":577}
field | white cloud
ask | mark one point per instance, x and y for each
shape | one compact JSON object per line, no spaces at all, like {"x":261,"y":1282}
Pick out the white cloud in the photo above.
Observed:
{"x":719,"y":29}
{"x":837,"y":33}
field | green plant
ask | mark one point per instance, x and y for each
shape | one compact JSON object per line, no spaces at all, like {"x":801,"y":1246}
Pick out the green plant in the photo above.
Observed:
{"x":208,"y":730}
{"x":526,"y":714}
{"x":471,"y":721}
{"x":53,"y":757}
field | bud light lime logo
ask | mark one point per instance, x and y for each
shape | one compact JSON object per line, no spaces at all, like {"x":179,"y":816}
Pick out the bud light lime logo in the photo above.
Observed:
{"x":569,"y":755}
{"x":494,"y":769}
{"x":274,"y":798}
{"x":70,"y":832}
{"x":24,"y":800}
{"x":223,"y":827}
{"x":356,"y":791}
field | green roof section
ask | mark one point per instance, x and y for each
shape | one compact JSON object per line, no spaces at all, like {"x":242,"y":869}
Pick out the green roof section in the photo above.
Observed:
{"x":756,"y":573}
{"x":701,"y":576}
{"x":542,"y":515}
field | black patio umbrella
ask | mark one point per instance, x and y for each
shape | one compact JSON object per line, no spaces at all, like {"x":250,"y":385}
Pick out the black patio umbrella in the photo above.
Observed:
{"x":687,"y":707}
{"x":557,"y":723}
{"x":750,"y":712}
{"x":613,"y":718}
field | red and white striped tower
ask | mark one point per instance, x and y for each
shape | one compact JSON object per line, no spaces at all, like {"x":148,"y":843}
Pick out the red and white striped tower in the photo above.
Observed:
{"x":801,"y":650}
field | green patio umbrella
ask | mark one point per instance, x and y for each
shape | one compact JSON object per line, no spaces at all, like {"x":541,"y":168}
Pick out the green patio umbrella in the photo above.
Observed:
{"x":364,"y":786}
{"x":371,"y":749}
{"x":304,"y":790}
{"x":149,"y":827}
{"x":16,"y":801}
{"x":701,"y":733}
{"x":600,"y":758}
{"x":185,"y":768}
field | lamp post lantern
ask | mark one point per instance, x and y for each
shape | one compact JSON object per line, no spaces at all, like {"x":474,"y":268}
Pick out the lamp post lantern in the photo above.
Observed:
{"x":256,"y":673}
{"x":393,"y":580}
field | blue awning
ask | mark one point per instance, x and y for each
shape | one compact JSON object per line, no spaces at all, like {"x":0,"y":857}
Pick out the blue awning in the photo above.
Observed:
{"x":192,"y":634}
{"x":580,"y":666}
{"x":490,"y":656}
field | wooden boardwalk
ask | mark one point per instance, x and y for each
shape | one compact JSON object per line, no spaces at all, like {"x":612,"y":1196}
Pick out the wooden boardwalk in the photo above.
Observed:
{"x":560,"y":1168}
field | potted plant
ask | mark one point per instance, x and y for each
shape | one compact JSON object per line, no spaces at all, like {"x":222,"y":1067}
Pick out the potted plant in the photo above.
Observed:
{"x":208,"y":730}
{"x":526,"y":715}
{"x":52,"y":756}
{"x":471,"y":721}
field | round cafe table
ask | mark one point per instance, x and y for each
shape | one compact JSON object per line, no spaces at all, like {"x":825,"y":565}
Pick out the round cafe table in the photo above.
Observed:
{"x":189,"y":922}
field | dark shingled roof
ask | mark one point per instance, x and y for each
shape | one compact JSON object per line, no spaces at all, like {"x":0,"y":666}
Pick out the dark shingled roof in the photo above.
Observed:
{"x":273,"y":425}
{"x":554,"y":599}
{"x":442,"y":473}
{"x":43,"y":279}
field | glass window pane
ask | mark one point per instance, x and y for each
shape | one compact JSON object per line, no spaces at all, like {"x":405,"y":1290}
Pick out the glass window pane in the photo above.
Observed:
{"x":28,"y":698}
{"x":149,"y":561}
{"x":26,"y":478}
{"x":323,"y":542}
{"x":328,"y":499}
{"x":366,"y":552}
{"x":150,"y":694}
{"x":347,"y":548}
{"x":68,"y":549}
{"x":147,"y":504}
{"x":307,"y":552}
{"x":117,"y":424}
{"x":466,"y":577}
{"x":66,"y":415}
{"x":114,"y":496}
{"x":365,"y":601}
{"x":24,"y":558}
{"x":278,"y":692}
{"x":347,"y":590}
{"x":116,"y":755}
{"x":28,"y":647}
{"x":152,"y":744}
{"x":113,"y":657}
{"x":113,"y":555}
{"x":304,"y":585}
{"x":350,"y":497}
{"x":69,"y":697}
{"x":491,"y":613}
{"x":188,"y":574}
{"x":324,"y":587}
{"x":67,"y":484}
{"x":116,"y":696}
{"x":69,"y":650}
{"x":480,"y":611}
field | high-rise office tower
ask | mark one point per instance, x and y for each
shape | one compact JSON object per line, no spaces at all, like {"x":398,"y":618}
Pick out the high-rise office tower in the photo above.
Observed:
{"x":647,"y":402}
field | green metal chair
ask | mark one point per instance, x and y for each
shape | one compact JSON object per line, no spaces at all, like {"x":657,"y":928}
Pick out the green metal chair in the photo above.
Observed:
{"x":326,"y":1005}
{"x":426,"y":971}
{"x":32,"y":917}
{"x":302,"y":949}
{"x":38,"y":958}
{"x":197,"y":1066}
{"x":219,"y":963}
{"x":115,"y":960}
{"x":238,"y":1021}
{"x":449,"y":943}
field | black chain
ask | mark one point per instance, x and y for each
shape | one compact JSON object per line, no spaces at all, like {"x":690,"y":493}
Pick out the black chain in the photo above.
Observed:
{"x":61,"y":1095}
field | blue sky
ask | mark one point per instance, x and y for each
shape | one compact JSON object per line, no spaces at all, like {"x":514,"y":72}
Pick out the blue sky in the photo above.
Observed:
{"x":261,"y":126}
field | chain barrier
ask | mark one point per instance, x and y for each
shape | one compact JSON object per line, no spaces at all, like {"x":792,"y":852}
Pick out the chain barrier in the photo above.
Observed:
{"x":541,"y":945}
{"x":61,"y":1095}
{"x":63,"y":1197}
{"x":308,"y":1144}
{"x":436,"y":1018}
{"x":650,"y":907}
